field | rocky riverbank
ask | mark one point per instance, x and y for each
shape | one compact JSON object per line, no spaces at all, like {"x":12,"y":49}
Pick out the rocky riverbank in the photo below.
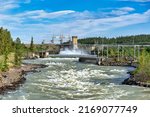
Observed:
{"x":134,"y":79}
{"x":137,"y":79}
{"x":14,"y":77}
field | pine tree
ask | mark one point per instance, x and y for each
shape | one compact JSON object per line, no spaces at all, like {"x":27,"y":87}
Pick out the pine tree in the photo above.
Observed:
{"x":18,"y":52}
{"x":5,"y":47}
{"x":32,"y":45}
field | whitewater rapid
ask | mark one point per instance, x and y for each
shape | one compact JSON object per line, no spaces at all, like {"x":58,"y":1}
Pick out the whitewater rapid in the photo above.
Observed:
{"x":66,"y":78}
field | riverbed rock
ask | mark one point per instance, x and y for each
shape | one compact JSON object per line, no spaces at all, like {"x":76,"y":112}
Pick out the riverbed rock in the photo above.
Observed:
{"x":138,"y":80}
{"x":130,"y":81}
{"x":14,"y":77}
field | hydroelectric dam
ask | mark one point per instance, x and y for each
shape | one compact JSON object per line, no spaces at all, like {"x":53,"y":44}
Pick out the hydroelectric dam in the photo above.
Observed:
{"x":65,"y":78}
{"x":101,"y":54}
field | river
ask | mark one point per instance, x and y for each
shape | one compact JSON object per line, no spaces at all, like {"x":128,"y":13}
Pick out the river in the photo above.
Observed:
{"x":67,"y":79}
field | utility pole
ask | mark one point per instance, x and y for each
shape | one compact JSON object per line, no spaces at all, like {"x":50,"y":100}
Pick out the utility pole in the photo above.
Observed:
{"x":107,"y":51}
{"x":53,"y":37}
{"x":118,"y":53}
{"x":134,"y":52}
{"x":102,"y":49}
{"x":138,"y":52}
{"x":61,"y":39}
{"x":69,"y":39}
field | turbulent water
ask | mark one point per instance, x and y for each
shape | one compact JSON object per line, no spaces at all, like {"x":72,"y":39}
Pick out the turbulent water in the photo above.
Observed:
{"x":68,"y":79}
{"x":73,"y":52}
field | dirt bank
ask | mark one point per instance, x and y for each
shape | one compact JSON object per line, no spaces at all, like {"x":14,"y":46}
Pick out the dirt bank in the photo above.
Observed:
{"x":14,"y":77}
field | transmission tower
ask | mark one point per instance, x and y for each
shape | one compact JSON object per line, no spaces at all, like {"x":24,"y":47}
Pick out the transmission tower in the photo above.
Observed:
{"x":61,"y":39}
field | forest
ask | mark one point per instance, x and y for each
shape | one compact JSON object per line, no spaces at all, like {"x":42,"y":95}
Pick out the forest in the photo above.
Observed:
{"x":10,"y":50}
{"x":135,"y":39}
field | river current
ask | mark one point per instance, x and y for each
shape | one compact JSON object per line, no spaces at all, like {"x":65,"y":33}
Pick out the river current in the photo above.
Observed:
{"x":67,"y":79}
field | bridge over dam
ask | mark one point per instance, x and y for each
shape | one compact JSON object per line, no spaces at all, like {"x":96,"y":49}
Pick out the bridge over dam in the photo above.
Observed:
{"x":82,"y":57}
{"x":73,"y":56}
{"x":98,"y":60}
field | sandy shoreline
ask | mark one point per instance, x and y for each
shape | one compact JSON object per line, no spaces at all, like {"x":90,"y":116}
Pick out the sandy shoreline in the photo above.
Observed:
{"x":14,"y":77}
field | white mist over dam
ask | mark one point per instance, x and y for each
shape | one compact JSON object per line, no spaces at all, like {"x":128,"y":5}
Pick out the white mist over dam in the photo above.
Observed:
{"x":68,"y":51}
{"x":74,"y":50}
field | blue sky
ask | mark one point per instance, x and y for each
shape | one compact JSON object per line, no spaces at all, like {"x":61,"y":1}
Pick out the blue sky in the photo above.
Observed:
{"x":84,"y":18}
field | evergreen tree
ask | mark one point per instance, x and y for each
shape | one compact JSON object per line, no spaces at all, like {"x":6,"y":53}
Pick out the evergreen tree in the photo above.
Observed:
{"x":32,"y":45}
{"x":18,"y":52}
{"x":5,"y":46}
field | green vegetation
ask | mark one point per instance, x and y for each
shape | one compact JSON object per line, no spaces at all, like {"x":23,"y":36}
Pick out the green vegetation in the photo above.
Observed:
{"x":12,"y":52}
{"x":119,"y":51}
{"x":135,"y":39}
{"x":144,"y":66}
{"x":7,"y":49}
{"x":18,"y":52}
{"x":143,"y":70}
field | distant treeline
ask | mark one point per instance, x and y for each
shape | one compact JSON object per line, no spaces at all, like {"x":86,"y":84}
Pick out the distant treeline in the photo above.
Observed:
{"x":135,"y":39}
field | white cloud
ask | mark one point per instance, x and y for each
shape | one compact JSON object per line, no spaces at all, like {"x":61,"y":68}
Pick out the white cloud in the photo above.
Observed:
{"x":11,"y":4}
{"x":147,"y":12}
{"x":127,"y":9}
{"x":136,"y":0}
{"x":39,"y":14}
{"x":30,"y":16}
{"x":6,"y":5}
{"x":95,"y":26}
{"x":79,"y":23}
{"x":122,"y":11}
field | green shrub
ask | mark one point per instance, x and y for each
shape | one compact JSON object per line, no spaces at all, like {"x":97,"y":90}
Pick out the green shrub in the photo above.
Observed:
{"x":144,"y":64}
